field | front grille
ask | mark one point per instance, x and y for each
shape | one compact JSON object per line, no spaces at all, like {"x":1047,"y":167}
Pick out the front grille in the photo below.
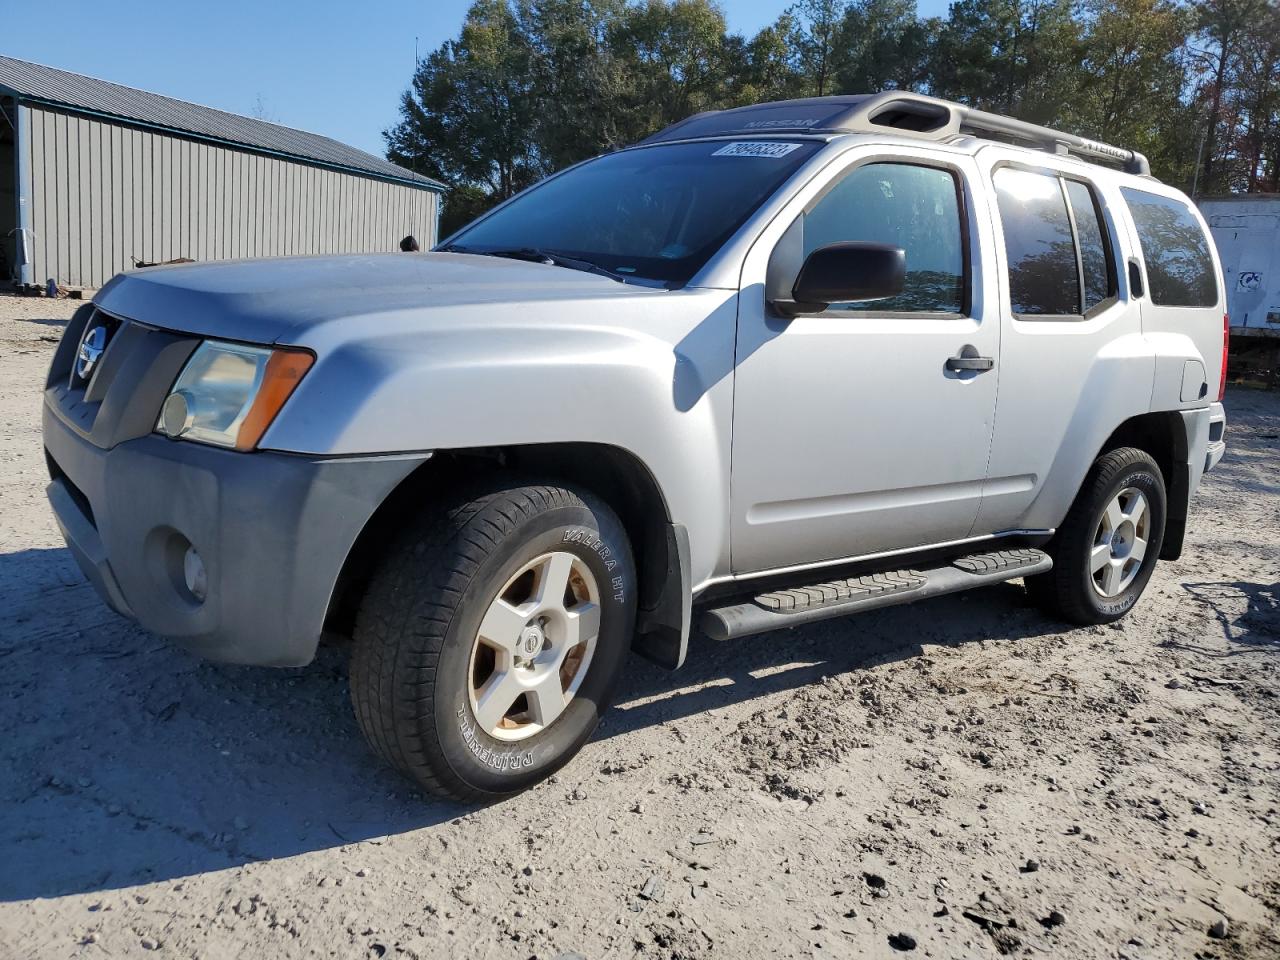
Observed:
{"x":134,"y":367}
{"x":91,"y":351}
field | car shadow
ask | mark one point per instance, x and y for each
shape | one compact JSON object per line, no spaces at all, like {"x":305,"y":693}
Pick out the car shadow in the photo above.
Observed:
{"x":721,"y":674}
{"x":129,"y":761}
{"x":1257,"y":626}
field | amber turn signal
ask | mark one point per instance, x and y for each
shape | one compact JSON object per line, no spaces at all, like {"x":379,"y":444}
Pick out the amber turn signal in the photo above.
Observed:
{"x":285,"y":370}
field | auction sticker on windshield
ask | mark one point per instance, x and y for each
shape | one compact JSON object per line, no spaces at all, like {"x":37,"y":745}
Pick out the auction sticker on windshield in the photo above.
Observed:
{"x":756,"y":149}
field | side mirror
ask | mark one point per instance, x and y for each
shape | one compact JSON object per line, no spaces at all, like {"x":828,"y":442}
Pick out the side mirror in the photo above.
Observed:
{"x":845,"y":273}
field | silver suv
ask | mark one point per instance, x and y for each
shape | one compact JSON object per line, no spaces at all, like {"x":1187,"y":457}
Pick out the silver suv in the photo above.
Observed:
{"x":772,"y":365}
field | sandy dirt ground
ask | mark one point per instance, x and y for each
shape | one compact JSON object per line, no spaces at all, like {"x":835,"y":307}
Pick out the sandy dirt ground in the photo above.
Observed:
{"x":960,"y":778}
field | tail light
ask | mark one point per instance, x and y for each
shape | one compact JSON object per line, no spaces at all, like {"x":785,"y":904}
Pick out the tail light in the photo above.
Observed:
{"x":1226,"y":346}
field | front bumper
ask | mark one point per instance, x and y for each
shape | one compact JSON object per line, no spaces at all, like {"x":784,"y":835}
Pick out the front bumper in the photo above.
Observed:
{"x":272,"y":529}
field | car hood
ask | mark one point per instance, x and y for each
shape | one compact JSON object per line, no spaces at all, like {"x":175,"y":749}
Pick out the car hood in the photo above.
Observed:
{"x":277,"y":300}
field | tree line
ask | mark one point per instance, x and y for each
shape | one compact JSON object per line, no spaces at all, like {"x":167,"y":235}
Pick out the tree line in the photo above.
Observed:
{"x":530,"y":86}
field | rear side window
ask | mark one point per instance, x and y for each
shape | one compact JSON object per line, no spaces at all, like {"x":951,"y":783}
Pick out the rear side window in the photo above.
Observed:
{"x":1056,"y":244}
{"x":1179,"y":268}
{"x":1094,"y":257}
{"x":912,"y":207}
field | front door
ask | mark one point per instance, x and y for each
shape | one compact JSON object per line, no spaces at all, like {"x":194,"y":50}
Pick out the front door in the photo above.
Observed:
{"x":852,"y":435}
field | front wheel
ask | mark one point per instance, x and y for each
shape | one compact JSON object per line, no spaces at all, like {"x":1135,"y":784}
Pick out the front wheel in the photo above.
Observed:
{"x":1105,"y":551}
{"x":491,"y":639}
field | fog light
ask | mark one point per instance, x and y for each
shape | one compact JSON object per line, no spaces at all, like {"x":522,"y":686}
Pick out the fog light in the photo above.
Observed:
{"x":194,"y":574}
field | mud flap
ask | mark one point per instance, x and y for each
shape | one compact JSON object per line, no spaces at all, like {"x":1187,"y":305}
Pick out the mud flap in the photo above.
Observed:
{"x":1175,"y":525}
{"x":662,"y":629}
{"x":1181,"y":485}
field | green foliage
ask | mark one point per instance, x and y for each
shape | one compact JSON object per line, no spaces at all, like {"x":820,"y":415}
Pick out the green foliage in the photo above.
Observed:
{"x":1016,"y":57}
{"x":815,"y":44}
{"x":531,"y":86}
{"x":1133,"y":75}
{"x":469,"y":117}
{"x":671,"y":61}
{"x":1233,"y":47}
{"x":886,"y":46}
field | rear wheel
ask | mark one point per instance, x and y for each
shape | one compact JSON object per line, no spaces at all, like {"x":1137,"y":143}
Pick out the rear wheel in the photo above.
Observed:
{"x":1106,"y":549}
{"x":492,"y":637}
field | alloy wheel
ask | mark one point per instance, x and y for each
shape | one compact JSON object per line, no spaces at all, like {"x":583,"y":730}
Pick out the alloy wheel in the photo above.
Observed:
{"x":534,"y":646}
{"x":1120,"y":542}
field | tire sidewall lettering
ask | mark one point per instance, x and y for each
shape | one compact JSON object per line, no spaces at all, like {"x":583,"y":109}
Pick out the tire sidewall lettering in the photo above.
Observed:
{"x":489,"y":763}
{"x":500,"y":760}
{"x":616,"y":583}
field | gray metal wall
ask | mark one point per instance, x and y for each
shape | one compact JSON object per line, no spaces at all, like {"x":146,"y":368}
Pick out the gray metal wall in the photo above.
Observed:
{"x":102,"y":193}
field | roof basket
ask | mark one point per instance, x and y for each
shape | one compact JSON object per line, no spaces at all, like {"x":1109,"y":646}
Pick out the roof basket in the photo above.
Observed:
{"x":911,"y":114}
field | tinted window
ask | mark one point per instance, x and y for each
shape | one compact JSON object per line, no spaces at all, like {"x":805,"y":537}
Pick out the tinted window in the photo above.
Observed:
{"x":657,"y":212}
{"x":1179,"y":268}
{"x":915,"y":208}
{"x":1037,"y":243}
{"x":1094,"y":255}
{"x":1055,"y":242}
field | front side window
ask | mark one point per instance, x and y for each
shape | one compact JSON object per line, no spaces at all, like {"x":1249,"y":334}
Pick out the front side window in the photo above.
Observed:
{"x":1055,"y":244}
{"x":1179,"y":267}
{"x":912,"y":207}
{"x":654,"y":213}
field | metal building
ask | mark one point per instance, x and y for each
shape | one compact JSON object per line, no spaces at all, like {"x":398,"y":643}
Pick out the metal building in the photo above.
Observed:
{"x":95,"y":176}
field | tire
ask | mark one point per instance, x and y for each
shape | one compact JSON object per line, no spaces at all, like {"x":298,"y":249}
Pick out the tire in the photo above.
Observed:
{"x":1077,"y":589}
{"x":419,"y":658}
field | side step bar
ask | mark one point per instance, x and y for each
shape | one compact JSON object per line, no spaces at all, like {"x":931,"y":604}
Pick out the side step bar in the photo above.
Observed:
{"x":838,"y":598}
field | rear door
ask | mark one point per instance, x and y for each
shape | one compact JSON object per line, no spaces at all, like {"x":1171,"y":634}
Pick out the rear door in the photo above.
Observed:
{"x":851,"y":434}
{"x":1072,"y":354}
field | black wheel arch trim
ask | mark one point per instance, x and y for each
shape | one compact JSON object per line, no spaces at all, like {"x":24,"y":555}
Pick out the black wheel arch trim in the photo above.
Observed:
{"x":614,"y":474}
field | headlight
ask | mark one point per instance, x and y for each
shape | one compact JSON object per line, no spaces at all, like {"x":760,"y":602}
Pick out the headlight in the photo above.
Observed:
{"x":229,"y":393}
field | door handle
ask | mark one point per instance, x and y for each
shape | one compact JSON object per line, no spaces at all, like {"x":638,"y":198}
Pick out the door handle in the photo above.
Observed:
{"x":970,"y":363}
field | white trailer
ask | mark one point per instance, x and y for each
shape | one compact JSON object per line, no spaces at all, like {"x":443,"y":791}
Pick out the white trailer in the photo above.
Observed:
{"x":1246,"y":229}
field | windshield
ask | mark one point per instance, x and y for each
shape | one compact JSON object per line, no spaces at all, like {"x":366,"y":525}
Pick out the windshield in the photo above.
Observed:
{"x":655,"y":213}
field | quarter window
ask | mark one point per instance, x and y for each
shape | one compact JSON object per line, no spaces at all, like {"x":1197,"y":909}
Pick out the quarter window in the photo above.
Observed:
{"x":1094,"y":261}
{"x":1055,"y":244}
{"x":1179,"y":268}
{"x":912,"y":207}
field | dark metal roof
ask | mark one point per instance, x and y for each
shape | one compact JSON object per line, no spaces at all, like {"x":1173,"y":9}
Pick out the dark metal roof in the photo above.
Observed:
{"x":897,"y":111}
{"x":811,"y":115}
{"x":71,"y":91}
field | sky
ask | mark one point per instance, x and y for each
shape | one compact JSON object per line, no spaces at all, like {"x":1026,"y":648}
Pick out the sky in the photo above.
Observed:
{"x":328,"y":66}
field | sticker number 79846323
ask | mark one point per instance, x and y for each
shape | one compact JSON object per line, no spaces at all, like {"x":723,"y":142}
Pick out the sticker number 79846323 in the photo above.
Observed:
{"x":756,"y":148}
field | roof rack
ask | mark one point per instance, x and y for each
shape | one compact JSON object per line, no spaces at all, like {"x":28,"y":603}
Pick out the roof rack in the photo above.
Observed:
{"x":912,"y":114}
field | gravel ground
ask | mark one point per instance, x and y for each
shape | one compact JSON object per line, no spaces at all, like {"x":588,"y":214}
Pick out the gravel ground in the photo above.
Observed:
{"x":954,"y":779}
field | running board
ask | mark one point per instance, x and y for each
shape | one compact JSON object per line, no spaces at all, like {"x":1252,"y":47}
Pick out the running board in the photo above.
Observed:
{"x":838,"y":598}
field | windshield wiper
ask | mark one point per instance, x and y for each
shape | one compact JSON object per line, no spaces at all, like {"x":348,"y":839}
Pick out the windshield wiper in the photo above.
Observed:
{"x":540,"y":255}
